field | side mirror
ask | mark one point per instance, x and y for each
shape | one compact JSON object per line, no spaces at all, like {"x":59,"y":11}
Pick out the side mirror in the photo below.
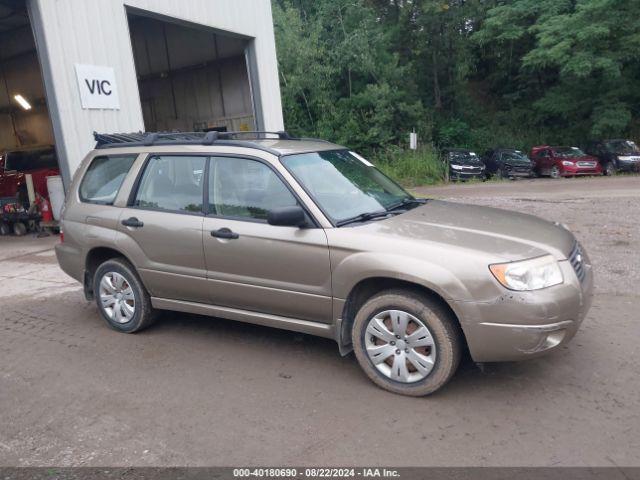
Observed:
{"x":287,"y":217}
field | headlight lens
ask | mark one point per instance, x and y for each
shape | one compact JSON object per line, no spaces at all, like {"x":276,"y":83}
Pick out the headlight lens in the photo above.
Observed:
{"x":534,"y":274}
{"x":456,"y":167}
{"x":567,"y":163}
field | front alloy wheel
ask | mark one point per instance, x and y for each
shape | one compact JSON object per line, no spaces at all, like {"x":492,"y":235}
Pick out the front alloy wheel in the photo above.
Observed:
{"x":555,"y":172}
{"x":400,"y":346}
{"x":407,"y":342}
{"x":610,"y":169}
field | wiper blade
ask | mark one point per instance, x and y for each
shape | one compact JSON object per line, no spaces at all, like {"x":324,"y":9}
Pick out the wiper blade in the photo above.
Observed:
{"x":363,"y":217}
{"x":407,"y":201}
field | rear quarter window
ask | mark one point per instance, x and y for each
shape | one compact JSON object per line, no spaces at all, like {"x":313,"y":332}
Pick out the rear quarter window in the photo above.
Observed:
{"x":104,"y":177}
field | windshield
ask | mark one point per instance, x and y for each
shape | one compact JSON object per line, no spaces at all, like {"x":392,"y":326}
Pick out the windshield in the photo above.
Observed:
{"x":567,"y":152}
{"x":622,"y":147}
{"x":344,"y":184}
{"x":514,"y":155}
{"x":462,"y":157}
{"x":26,"y":160}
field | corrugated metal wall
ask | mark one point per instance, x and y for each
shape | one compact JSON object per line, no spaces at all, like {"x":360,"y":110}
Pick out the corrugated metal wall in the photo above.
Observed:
{"x":97,"y":33}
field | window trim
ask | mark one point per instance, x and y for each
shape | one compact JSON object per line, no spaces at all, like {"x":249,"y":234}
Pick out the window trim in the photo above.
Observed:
{"x":136,"y":185}
{"x":314,"y":221}
{"x":81,"y":197}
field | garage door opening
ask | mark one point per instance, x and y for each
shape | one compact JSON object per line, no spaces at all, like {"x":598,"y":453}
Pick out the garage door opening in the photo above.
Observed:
{"x":190,"y":78}
{"x":27,"y":152}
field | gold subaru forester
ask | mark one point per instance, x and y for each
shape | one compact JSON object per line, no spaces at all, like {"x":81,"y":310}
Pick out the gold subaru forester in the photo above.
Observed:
{"x":307,"y":235}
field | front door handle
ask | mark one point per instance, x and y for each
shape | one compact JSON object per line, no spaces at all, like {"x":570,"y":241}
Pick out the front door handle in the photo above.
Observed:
{"x":132,"y":222}
{"x":224,"y":233}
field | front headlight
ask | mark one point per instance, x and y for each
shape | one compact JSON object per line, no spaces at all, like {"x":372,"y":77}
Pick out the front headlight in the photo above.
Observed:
{"x":456,"y":167}
{"x":534,"y":274}
{"x":567,"y":163}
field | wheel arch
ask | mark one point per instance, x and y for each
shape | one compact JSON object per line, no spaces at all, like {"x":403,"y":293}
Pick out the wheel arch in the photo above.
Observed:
{"x":367,"y":288}
{"x":95,"y":257}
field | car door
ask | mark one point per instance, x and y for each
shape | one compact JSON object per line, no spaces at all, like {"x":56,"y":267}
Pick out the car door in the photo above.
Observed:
{"x":161,"y":228}
{"x":252,"y":265}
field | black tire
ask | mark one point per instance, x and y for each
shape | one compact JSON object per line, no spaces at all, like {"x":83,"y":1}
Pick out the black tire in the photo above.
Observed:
{"x":609,"y":169}
{"x":144,"y":314}
{"x":437,"y":318}
{"x":19,"y":229}
{"x":5,"y":228}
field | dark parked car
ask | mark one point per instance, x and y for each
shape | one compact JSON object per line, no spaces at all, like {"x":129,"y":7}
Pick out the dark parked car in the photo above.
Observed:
{"x":616,"y":155}
{"x":563,"y":162}
{"x":463,"y":164}
{"x":507,"y":163}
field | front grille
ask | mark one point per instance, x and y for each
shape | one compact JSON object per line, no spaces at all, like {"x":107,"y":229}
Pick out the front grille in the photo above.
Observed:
{"x":576,"y":258}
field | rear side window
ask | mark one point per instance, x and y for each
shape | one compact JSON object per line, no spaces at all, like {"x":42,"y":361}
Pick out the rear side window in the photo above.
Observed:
{"x":104,"y":178}
{"x":173,"y":183}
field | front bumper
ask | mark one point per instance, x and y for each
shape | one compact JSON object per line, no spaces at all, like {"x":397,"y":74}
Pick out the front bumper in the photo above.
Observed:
{"x":628,"y":165}
{"x":570,"y":171}
{"x":460,"y":175}
{"x":521,"y":325}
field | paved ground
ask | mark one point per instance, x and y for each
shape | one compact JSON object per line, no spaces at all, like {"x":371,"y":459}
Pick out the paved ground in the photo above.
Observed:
{"x":199,"y":391}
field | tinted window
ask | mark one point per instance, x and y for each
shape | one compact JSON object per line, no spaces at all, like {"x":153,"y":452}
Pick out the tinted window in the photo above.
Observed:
{"x":172,"y":183}
{"x":240,"y":187}
{"x":23,"y":161}
{"x":104,"y":178}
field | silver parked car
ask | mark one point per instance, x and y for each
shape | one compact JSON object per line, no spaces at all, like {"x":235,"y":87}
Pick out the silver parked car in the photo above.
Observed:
{"x":308,"y":236}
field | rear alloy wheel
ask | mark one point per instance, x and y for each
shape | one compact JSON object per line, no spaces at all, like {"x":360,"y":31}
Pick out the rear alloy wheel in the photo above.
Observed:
{"x":121,"y":298}
{"x":609,"y":169}
{"x":555,"y":172}
{"x":406,"y":343}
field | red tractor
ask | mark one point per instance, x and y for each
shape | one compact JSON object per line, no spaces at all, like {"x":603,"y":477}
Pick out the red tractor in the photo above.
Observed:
{"x":16,"y":212}
{"x":40,"y":162}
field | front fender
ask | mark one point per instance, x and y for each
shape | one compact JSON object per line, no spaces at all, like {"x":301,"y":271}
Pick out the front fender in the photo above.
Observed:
{"x":361,"y":266}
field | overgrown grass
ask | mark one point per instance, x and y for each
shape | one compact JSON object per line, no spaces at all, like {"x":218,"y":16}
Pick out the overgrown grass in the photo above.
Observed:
{"x":411,"y":168}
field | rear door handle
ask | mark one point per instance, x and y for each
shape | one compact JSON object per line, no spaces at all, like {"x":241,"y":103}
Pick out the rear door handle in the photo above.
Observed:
{"x":132,"y":222}
{"x":224,"y":233}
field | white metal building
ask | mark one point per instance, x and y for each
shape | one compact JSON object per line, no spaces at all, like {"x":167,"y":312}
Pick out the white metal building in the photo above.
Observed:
{"x":131,"y":65}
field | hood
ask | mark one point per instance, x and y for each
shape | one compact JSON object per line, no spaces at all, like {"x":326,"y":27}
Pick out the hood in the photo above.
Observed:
{"x":502,"y":234}
{"x":467,"y":161}
{"x":518,"y":162}
{"x":586,"y":158}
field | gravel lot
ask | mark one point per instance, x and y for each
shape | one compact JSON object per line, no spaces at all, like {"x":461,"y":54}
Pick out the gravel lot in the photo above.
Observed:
{"x":200,"y":391}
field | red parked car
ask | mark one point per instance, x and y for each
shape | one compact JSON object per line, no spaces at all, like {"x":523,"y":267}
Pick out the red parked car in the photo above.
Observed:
{"x":559,"y":162}
{"x":40,"y":162}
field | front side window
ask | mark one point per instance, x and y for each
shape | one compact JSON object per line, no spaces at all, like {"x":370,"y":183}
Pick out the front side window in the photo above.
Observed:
{"x":244,"y":188}
{"x":104,"y":178}
{"x":173,"y":183}
{"x":344,"y":184}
